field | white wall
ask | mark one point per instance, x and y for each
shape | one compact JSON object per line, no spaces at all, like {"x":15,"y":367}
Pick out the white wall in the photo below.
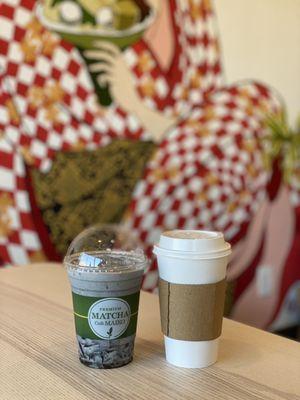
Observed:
{"x":261,"y":39}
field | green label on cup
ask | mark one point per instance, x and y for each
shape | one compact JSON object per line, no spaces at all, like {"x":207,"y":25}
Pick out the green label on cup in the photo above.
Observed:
{"x":105,"y":318}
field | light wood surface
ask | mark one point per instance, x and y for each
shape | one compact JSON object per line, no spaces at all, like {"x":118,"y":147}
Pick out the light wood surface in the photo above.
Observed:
{"x":38,"y":354}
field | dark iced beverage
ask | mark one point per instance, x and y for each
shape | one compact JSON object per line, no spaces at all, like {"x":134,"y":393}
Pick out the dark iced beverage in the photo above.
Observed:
{"x":106,"y":300}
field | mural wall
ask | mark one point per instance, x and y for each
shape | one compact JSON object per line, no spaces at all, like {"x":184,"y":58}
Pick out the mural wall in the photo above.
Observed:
{"x":116,"y":110}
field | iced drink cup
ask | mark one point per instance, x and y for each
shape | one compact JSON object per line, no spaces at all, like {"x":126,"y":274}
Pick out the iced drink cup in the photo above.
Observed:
{"x":105,"y":289}
{"x":192,"y":271}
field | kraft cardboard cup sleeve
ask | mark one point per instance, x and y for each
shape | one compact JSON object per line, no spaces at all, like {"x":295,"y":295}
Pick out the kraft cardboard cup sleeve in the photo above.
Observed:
{"x":105,"y":287}
{"x":192,"y":282}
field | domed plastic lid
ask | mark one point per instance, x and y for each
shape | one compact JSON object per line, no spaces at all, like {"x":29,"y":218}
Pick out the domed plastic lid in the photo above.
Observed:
{"x":106,"y":248}
{"x":200,"y":244}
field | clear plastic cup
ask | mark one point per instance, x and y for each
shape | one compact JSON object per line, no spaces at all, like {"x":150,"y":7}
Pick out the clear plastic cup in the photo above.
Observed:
{"x":105,"y":266}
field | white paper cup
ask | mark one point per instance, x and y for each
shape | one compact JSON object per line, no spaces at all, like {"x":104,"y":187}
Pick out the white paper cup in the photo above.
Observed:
{"x":192,"y":258}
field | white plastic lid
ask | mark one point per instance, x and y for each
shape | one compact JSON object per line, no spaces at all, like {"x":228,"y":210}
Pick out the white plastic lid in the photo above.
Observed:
{"x":200,"y":244}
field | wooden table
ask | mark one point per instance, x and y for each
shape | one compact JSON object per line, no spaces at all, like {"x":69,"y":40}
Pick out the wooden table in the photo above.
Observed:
{"x":38,"y":354}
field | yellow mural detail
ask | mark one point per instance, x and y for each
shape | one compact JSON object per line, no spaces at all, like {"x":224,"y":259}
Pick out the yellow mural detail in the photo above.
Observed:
{"x":172,"y":172}
{"x":165,"y":174}
{"x":198,"y":10}
{"x":203,"y":132}
{"x":195,"y":81}
{"x":47,"y":98}
{"x":195,"y":10}
{"x":34,"y":28}
{"x":249,"y":110}
{"x":5,"y":220}
{"x":198,"y":127}
{"x":264,"y":106}
{"x":145,"y":62}
{"x":245,"y":196}
{"x":209,"y":113}
{"x":194,"y":124}
{"x":212,"y":179}
{"x":35,"y":96}
{"x":252,"y":171}
{"x":52,"y":113}
{"x":54,"y":92}
{"x":28,"y":157}
{"x":147,"y":87}
{"x":49,"y":42}
{"x":232,"y":207}
{"x":12,"y":112}
{"x":207,"y":6}
{"x":37,"y":256}
{"x":185,"y":94}
{"x":29,"y":51}
{"x":79,"y":145}
{"x":37,"y":41}
{"x":202,"y":197}
{"x":216,"y":46}
{"x":249,"y":145}
{"x":244,"y":93}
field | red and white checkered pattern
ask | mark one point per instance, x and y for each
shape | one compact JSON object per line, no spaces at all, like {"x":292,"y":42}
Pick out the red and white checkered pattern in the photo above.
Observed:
{"x":208,"y":171}
{"x":22,"y":240}
{"x":207,"y":180}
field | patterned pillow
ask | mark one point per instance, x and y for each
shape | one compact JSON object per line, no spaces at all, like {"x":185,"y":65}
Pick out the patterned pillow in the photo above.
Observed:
{"x":86,"y":187}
